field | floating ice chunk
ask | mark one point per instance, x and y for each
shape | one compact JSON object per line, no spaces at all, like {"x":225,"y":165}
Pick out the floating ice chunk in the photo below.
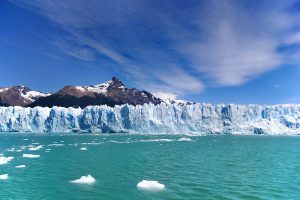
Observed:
{"x":36,"y":148}
{"x":83,"y":149}
{"x":19,"y":150}
{"x":85,"y":180}
{"x":163,"y":140}
{"x":5,"y":160}
{"x":30,"y":155}
{"x":20,"y":166}
{"x":184,"y":139}
{"x":3,"y":176}
{"x":55,"y":144}
{"x":150,"y":185}
{"x":24,"y":147}
{"x":156,"y":140}
{"x":25,"y":139}
{"x":11,"y":149}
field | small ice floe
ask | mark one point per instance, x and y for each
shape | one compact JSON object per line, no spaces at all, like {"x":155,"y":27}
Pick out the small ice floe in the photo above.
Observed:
{"x":85,"y":180}
{"x":5,"y":160}
{"x":35,"y":148}
{"x":11,"y":149}
{"x":19,"y":150}
{"x":3,"y":176}
{"x":55,"y":145}
{"x":25,"y":139}
{"x":156,"y":140}
{"x":162,"y":140}
{"x":62,"y":141}
{"x":83,"y":149}
{"x":96,"y":143}
{"x":47,"y":150}
{"x":30,"y":155}
{"x":150,"y":185}
{"x":35,"y":143}
{"x":20,"y":166}
{"x":184,"y":139}
{"x":24,"y":147}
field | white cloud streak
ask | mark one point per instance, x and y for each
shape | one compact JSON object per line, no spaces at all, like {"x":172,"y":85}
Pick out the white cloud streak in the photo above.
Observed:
{"x":80,"y":18}
{"x":240,"y":42}
{"x":227,"y":42}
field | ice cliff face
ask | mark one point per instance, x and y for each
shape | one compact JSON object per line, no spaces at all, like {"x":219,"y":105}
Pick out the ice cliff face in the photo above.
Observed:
{"x":163,"y":118}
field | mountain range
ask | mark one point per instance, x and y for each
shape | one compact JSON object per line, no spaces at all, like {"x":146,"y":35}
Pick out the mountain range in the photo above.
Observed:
{"x":110,"y":93}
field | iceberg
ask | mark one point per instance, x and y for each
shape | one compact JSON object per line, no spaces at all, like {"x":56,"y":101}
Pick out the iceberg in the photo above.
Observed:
{"x":5,"y":160}
{"x":197,"y":118}
{"x":3,"y":176}
{"x":184,"y":139}
{"x":150,"y":185}
{"x":85,"y":180}
{"x":30,"y":155}
{"x":20,"y":166}
{"x":35,"y":148}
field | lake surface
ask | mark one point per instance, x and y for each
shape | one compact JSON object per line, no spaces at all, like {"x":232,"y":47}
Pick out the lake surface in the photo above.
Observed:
{"x":205,"y":167}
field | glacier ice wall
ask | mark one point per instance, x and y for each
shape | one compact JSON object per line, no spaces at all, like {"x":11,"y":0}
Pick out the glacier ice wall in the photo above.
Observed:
{"x":164,"y":118}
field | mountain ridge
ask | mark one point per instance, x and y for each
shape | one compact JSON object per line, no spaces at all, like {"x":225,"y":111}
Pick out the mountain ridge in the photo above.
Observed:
{"x":111,"y":93}
{"x":19,"y":95}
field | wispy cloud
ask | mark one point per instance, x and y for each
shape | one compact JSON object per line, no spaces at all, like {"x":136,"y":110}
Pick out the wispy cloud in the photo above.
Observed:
{"x":87,"y":26}
{"x":277,"y":86}
{"x":76,"y":51}
{"x":240,"y":41}
{"x":160,"y":44}
{"x":165,"y":95}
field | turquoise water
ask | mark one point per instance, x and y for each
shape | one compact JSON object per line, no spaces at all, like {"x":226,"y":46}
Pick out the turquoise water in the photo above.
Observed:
{"x":210,"y":167}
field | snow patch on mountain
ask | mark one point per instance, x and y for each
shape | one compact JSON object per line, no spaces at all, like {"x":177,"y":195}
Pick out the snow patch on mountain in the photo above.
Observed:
{"x":19,"y":95}
{"x":4,"y":89}
{"x":100,"y":88}
{"x":33,"y":95}
{"x":171,"y":98}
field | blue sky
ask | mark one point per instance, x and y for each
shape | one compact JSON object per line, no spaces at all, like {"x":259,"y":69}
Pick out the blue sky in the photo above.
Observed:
{"x":218,"y":51}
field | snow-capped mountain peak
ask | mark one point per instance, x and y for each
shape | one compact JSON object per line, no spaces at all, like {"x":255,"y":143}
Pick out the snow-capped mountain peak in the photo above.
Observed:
{"x":177,"y":101}
{"x":99,"y":88}
{"x":102,"y":88}
{"x":19,"y":95}
{"x":111,"y":93}
{"x":33,"y":95}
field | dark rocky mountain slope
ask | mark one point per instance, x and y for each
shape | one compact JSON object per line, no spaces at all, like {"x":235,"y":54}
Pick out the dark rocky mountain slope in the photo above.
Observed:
{"x":110,"y":93}
{"x":19,"y":96}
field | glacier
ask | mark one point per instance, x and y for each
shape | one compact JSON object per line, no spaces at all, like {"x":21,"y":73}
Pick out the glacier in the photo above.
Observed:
{"x":165,"y":118}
